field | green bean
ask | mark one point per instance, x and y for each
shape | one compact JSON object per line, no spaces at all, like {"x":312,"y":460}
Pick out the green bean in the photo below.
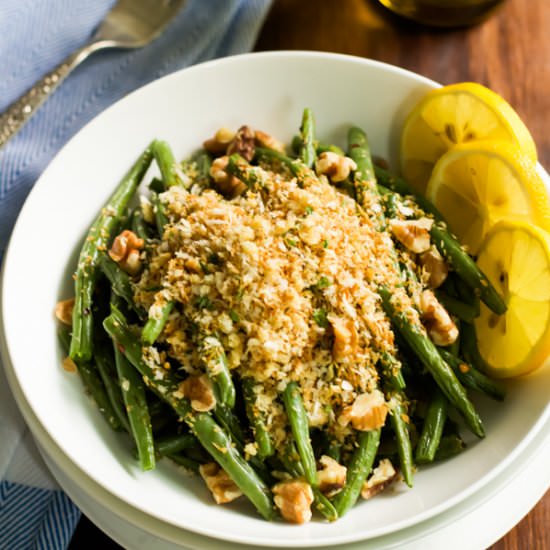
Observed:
{"x":469,"y":347}
{"x":320,"y":147}
{"x":467,"y":296}
{"x":213,"y":357}
{"x":473,"y":378}
{"x":299,"y":425}
{"x":135,"y":401}
{"x":257,"y":420}
{"x":323,"y":505}
{"x":157,"y":185}
{"x":296,"y":143}
{"x":203,"y":160}
{"x":197,"y":453}
{"x":133,"y":393}
{"x":390,"y":367}
{"x":172,"y":444}
{"x":158,"y":407}
{"x":224,"y":415}
{"x":232,"y":425}
{"x":364,"y":180}
{"x":166,"y":162}
{"x":449,"y":446}
{"x":390,"y":205}
{"x":139,"y":225}
{"x":219,"y":445}
{"x":107,"y":370}
{"x":120,"y":281}
{"x":291,"y":462}
{"x":400,"y":428}
{"x":99,"y":237}
{"x":294,"y":166}
{"x":359,"y":468}
{"x":160,"y":216}
{"x":92,"y":382}
{"x":186,"y":462}
{"x":155,"y":325}
{"x":428,"y":354}
{"x":359,"y":152}
{"x":457,"y":257}
{"x":432,"y":429}
{"x":332,"y":448}
{"x":203,"y":163}
{"x":466,"y":268}
{"x":458,"y":308}
{"x":454,"y":347}
{"x":328,"y":148}
{"x":401,"y":187}
{"x":212,"y":437}
{"x":252,"y":176}
{"x":307,"y":152}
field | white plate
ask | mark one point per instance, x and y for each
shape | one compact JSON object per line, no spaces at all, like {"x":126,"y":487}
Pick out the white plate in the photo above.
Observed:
{"x":267,"y":91}
{"x":497,"y":507}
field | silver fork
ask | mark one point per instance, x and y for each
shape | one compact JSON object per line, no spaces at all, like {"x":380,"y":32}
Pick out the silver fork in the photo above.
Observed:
{"x":130,"y":24}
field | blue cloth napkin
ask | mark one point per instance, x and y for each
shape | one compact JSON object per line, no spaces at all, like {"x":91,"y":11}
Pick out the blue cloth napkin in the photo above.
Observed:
{"x":36,"y":35}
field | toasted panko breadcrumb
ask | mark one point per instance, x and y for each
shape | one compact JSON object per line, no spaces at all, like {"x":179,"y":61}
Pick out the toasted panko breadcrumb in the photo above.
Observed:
{"x":286,"y":276}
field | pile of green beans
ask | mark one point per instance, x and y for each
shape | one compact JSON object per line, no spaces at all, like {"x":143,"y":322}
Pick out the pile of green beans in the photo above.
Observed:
{"x":425,"y":386}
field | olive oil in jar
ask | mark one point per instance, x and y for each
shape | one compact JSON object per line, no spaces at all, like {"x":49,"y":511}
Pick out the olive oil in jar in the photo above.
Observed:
{"x":443,"y":13}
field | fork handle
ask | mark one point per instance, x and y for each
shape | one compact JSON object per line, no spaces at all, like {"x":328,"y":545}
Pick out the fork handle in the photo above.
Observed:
{"x":22,"y":109}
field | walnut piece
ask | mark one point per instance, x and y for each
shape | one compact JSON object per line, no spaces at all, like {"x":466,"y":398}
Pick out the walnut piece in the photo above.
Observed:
{"x":243,"y":143}
{"x":345,"y":336}
{"x":382,"y":476}
{"x":413,"y":234}
{"x":225,"y":183}
{"x":221,"y":486}
{"x":294,"y":498}
{"x":332,"y":476}
{"x":64,"y":311}
{"x":218,"y":144}
{"x":434,"y":266}
{"x":367,"y":412}
{"x":268,"y":141}
{"x":335,"y":166}
{"x":125,"y":251}
{"x":198,"y":389}
{"x":69,"y":365}
{"x":441,"y":328}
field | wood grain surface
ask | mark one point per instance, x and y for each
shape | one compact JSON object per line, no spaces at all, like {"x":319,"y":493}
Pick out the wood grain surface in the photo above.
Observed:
{"x":510,"y":53}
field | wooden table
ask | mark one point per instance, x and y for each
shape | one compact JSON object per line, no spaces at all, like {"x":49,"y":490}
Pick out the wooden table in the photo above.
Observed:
{"x":510,"y":53}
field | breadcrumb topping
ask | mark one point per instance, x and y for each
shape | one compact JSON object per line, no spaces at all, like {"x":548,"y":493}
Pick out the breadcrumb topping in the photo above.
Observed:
{"x":286,"y":277}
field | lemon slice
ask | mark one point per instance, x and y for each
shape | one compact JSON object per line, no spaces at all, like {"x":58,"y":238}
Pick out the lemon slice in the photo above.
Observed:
{"x":475,"y":185}
{"x":456,"y":114}
{"x":516,"y":259}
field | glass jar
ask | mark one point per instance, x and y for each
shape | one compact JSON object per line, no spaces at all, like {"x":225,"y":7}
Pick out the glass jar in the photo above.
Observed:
{"x":443,"y":13}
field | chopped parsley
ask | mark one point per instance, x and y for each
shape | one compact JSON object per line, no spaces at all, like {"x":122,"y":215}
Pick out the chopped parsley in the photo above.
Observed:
{"x":323,"y":282}
{"x":325,"y":244}
{"x":203,"y":302}
{"x":320,"y":317}
{"x":234,"y":316}
{"x":308,"y":210}
{"x":290,"y":242}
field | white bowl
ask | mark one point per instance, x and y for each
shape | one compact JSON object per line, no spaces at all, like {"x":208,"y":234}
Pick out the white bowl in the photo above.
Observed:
{"x":267,"y":91}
